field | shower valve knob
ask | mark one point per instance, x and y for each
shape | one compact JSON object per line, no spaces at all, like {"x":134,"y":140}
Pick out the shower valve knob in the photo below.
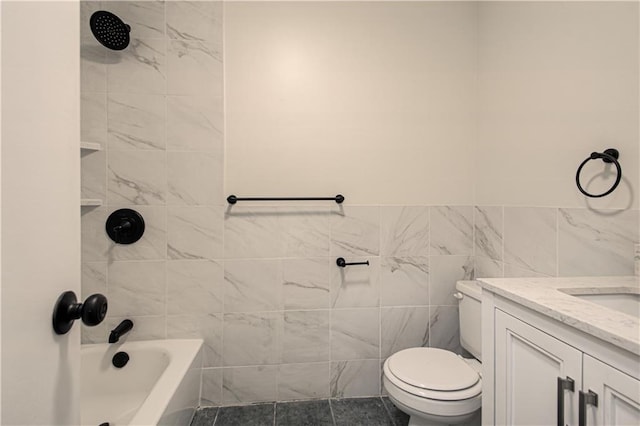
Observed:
{"x":67,"y":310}
{"x":125,"y":226}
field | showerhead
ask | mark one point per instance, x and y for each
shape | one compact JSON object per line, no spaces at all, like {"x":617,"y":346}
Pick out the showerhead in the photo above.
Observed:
{"x":109,"y":30}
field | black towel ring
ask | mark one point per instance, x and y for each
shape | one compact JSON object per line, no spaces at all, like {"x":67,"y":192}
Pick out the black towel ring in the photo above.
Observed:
{"x":608,"y":156}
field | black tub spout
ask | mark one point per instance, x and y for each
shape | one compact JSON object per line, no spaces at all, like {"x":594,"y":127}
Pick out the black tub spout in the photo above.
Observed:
{"x":122,"y":328}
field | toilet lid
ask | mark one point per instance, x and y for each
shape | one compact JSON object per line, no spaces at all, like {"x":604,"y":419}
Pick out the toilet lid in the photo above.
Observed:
{"x":431,"y":368}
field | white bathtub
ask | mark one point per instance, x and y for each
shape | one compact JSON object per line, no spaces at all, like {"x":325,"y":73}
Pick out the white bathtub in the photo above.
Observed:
{"x":160,"y":385}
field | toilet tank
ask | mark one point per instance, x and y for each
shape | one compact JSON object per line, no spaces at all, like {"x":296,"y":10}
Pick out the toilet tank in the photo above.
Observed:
{"x":469,"y":308}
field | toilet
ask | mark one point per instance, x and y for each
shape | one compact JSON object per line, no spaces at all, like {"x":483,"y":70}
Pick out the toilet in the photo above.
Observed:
{"x":436,"y":386}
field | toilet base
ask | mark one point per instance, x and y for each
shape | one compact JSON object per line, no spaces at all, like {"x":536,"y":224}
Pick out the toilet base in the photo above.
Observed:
{"x":417,"y":418}
{"x":475,"y":420}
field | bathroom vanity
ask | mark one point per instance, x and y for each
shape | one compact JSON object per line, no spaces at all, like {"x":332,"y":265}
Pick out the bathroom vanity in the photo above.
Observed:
{"x":562,"y":351}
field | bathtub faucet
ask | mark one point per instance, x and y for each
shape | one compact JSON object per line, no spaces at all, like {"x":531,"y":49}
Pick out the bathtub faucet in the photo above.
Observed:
{"x":122,"y":328}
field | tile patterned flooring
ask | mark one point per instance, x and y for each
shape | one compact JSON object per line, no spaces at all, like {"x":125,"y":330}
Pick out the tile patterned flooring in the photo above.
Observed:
{"x":329,"y":412}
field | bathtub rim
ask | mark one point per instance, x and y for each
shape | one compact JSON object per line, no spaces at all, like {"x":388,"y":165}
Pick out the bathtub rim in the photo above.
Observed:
{"x":182,"y":354}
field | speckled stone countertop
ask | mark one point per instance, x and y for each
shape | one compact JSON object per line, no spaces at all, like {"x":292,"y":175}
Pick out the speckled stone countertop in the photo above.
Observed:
{"x":550,"y":297}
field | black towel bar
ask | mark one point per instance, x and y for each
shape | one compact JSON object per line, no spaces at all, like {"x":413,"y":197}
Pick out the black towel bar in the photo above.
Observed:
{"x":232,"y":199}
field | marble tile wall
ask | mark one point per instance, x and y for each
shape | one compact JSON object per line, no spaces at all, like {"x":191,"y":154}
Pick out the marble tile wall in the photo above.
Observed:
{"x":259,"y":284}
{"x":296,"y":326}
{"x":156,"y":108}
{"x":544,"y":241}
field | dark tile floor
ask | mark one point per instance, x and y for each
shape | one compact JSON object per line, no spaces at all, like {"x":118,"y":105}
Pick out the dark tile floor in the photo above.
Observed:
{"x":330,"y":412}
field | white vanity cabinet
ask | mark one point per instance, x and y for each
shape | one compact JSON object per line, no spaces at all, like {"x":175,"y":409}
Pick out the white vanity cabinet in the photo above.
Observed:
{"x":618,"y":394}
{"x":528,"y":364}
{"x":540,"y":367}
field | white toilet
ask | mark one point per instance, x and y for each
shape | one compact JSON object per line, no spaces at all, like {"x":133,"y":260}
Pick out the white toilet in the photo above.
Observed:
{"x":436,"y":386}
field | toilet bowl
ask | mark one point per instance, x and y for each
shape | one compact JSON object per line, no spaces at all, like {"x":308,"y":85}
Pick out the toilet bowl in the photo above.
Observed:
{"x":436,"y":386}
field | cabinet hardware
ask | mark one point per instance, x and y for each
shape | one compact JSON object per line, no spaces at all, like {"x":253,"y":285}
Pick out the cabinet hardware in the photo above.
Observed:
{"x":585,"y":398}
{"x":563,"y":385}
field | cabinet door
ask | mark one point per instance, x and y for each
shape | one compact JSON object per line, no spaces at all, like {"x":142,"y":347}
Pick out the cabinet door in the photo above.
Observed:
{"x":528,"y":364}
{"x":618,"y":395}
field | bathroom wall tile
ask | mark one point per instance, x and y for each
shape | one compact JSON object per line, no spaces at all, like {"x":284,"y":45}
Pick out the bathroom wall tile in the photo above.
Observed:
{"x":144,"y":327}
{"x":488,"y":229}
{"x":136,"y":121}
{"x":100,"y":332}
{"x":596,"y":242}
{"x":355,"y":378}
{"x":251,"y":338}
{"x":194,"y":232}
{"x":96,"y":334}
{"x":93,"y":66}
{"x":305,"y":231}
{"x":451,"y":230}
{"x":513,"y":271}
{"x":404,"y":281}
{"x":444,"y":332}
{"x":93,"y":174}
{"x":306,"y":283}
{"x":93,"y":117}
{"x":136,"y":177}
{"x":146,"y":17}
{"x":194,"y":178}
{"x":194,"y":20}
{"x":252,"y":232}
{"x":211,"y":387}
{"x":403,"y":328}
{"x":93,"y":279}
{"x":249,"y":384}
{"x":94,"y":239}
{"x":152,"y":245}
{"x":445,"y":272}
{"x":305,"y":336}
{"x":356,"y":232}
{"x":530,"y":235}
{"x":303,"y":381}
{"x":195,"y":123}
{"x":194,"y":286}
{"x":140,"y":68}
{"x":405,"y":231}
{"x":252,"y":285}
{"x":356,"y":286}
{"x":207,"y":327}
{"x":136,"y":288}
{"x":488,"y":268}
{"x":355,"y":334}
{"x":194,"y":68}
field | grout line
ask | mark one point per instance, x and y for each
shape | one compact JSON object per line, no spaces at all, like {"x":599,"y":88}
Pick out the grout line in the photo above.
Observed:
{"x":333,"y":416}
{"x":386,"y":409}
{"x":275,"y":404}
{"x":215,"y":419}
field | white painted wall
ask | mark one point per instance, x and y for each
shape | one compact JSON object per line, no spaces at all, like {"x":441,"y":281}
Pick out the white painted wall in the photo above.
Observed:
{"x":375,"y":100}
{"x":40,"y":212}
{"x":557,"y":80}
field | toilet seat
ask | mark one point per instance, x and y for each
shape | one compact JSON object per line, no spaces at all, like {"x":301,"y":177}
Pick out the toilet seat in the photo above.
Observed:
{"x":433,"y":373}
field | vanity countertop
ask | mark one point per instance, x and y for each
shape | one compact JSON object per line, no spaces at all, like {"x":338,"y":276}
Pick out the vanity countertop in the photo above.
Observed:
{"x":544,"y":296}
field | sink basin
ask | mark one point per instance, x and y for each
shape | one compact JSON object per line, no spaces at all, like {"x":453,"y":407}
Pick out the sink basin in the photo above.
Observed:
{"x":627,"y":303}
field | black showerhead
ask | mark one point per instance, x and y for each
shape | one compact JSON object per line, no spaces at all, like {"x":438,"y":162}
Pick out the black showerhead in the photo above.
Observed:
{"x":110,"y":31}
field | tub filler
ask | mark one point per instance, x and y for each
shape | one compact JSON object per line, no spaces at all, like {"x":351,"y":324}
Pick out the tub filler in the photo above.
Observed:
{"x":158,"y":385}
